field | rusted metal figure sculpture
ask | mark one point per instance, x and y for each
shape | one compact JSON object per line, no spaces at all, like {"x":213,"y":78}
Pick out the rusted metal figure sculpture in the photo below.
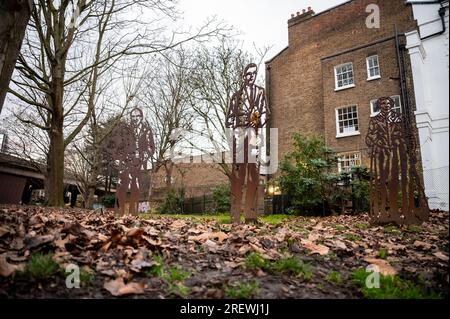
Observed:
{"x":132,"y":145}
{"x":248,"y":112}
{"x":396,"y":192}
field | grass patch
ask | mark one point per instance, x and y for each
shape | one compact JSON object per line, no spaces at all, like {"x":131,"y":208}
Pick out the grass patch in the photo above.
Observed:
{"x":243,"y":290}
{"x":340,"y":227}
{"x":169,"y":274}
{"x":334,"y":277}
{"x":382,"y":253}
{"x":293,"y":266}
{"x":391,"y":287}
{"x":352,"y":237}
{"x":392,"y":229}
{"x":175,"y":273}
{"x":86,"y":275}
{"x":290,"y":266}
{"x":179,"y":289}
{"x":256,"y":261}
{"x":172,"y":275}
{"x":40,"y":267}
{"x":275,"y":219}
{"x":220,"y":218}
{"x":414,"y":229}
{"x":362,"y":226}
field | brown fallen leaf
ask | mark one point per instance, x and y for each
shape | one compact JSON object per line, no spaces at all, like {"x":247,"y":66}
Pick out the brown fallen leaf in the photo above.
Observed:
{"x":152,"y":242}
{"x":422,"y":245}
{"x":134,"y":232}
{"x":4,"y":231}
{"x":34,"y":242}
{"x":210,"y":246}
{"x":244,"y":249}
{"x":221,"y":236}
{"x":339,"y":244}
{"x":102,"y":237}
{"x":441,"y":256}
{"x":231,"y":264}
{"x":7,"y":269}
{"x":315,"y":248}
{"x":106,"y":246}
{"x":383,"y":266}
{"x":178,"y":224}
{"x":118,"y":287}
{"x":257,"y":249}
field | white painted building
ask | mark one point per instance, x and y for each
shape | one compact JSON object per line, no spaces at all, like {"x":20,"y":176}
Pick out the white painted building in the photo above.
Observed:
{"x":429,"y":52}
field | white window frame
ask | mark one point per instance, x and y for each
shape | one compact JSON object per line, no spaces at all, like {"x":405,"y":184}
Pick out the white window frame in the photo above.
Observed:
{"x":2,"y":140}
{"x":372,"y":104}
{"x":340,"y":155}
{"x":350,"y":133}
{"x":375,"y":77}
{"x":348,"y":86}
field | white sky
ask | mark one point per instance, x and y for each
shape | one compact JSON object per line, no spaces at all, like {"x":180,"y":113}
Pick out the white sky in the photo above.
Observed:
{"x":263,"y":22}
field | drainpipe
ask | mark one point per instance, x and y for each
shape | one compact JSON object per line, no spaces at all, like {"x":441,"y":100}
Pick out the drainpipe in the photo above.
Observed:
{"x":403,"y":86}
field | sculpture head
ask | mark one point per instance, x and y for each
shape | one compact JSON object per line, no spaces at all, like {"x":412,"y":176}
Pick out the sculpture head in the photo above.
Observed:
{"x":250,"y":73}
{"x":136,"y":117}
{"x":385,"y":104}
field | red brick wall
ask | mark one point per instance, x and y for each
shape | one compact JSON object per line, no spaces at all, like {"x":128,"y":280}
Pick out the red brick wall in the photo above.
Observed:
{"x":301,"y":86}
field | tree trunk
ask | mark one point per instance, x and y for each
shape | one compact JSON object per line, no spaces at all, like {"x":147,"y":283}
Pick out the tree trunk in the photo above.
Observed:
{"x":56,"y":152}
{"x":169,"y":168}
{"x":14,"y":16}
{"x":90,"y":197}
{"x":56,"y":167}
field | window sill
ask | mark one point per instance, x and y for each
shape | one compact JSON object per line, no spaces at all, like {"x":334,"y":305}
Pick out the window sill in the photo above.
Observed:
{"x":374,"y":78}
{"x":344,"y":88}
{"x":348,"y":134}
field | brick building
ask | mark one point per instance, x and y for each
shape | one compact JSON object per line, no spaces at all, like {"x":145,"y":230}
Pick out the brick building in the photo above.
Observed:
{"x":197,"y":176}
{"x":325,"y":82}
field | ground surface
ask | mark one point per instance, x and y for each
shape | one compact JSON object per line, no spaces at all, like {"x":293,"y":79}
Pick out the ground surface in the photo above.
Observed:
{"x":172,"y":257}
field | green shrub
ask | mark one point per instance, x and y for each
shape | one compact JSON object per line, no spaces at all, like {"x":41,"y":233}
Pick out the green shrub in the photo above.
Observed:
{"x":360,"y":178}
{"x":221,"y":196}
{"x":109,"y":200}
{"x":309,"y":177}
{"x":173,"y":202}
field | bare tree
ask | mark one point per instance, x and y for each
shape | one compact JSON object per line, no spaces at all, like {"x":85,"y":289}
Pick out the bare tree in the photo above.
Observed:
{"x":168,"y":102}
{"x":68,"y":46}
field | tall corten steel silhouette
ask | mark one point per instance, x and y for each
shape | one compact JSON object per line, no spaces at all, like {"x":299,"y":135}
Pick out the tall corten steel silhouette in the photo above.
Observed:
{"x":396,"y":192}
{"x":132,"y":145}
{"x":247,"y":113}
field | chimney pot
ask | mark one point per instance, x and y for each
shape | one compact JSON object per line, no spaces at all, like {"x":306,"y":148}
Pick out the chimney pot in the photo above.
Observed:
{"x":292,"y":15}
{"x":309,"y":8}
{"x":298,"y":13}
{"x":304,"y":10}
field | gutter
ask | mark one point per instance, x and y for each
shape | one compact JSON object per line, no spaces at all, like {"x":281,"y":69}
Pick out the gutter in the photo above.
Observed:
{"x":441,"y":12}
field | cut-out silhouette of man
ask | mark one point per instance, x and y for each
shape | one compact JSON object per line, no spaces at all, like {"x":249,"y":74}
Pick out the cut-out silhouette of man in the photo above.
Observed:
{"x":396,"y":193}
{"x":248,"y":112}
{"x":133,"y":146}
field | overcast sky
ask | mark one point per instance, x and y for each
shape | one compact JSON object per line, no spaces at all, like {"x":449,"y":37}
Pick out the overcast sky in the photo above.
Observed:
{"x":263,"y":22}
